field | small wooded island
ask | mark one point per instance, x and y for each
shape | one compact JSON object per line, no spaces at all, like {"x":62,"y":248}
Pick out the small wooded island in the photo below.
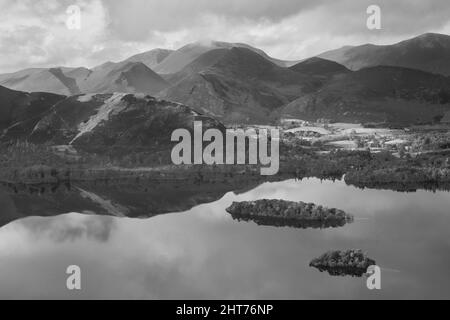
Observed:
{"x":353,"y":262}
{"x":288,"y":213}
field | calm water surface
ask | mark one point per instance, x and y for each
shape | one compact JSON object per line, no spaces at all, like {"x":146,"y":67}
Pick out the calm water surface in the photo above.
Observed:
{"x":204,"y":253}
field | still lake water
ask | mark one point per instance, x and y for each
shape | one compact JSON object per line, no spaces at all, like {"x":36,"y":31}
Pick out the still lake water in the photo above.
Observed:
{"x":204,"y":253}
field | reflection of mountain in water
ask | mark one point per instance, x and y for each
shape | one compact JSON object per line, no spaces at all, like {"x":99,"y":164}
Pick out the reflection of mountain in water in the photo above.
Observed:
{"x":124,"y":197}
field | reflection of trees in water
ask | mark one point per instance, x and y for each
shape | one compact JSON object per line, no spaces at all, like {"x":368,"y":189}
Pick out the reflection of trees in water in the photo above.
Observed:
{"x":141,"y":197}
{"x":407,"y":186}
{"x":407,"y":177}
{"x":342,"y":271}
{"x":286,"y":222}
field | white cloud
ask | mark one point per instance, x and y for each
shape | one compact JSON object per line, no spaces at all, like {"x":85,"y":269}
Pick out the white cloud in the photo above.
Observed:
{"x":33,"y":32}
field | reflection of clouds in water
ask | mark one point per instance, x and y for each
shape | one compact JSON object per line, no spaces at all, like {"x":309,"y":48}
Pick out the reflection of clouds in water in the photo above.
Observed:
{"x":69,"y":227}
{"x":203,"y":253}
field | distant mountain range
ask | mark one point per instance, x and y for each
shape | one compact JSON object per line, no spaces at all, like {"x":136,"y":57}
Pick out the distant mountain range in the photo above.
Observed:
{"x":131,"y":77}
{"x":377,"y":94}
{"x":405,"y":82}
{"x":237,"y":85}
{"x":429,"y":52}
{"x":180,"y":58}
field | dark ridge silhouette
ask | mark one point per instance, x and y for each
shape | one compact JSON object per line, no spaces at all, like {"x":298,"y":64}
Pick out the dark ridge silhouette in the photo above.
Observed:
{"x":318,"y":66}
{"x":21,"y":111}
{"x":377,"y":94}
{"x":240,"y":86}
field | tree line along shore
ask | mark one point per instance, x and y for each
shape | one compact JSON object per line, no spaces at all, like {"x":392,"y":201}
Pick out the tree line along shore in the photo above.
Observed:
{"x":23,"y":162}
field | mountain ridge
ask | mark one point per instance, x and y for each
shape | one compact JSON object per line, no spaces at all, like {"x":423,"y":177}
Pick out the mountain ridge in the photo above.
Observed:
{"x":180,"y":58}
{"x":127,"y":76}
{"x":427,"y":52}
{"x":238,"y":84}
{"x":377,"y":94}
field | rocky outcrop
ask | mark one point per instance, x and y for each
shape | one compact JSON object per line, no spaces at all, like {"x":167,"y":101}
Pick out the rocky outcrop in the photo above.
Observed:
{"x":288,"y":213}
{"x":351,"y":262}
{"x":116,"y":124}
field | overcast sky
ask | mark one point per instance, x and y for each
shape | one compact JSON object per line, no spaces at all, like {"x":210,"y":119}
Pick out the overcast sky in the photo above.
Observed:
{"x":33,"y":33}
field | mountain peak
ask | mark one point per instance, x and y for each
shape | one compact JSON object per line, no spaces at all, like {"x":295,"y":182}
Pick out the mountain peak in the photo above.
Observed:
{"x":182,"y":57}
{"x":433,"y":35}
{"x":430,"y":40}
{"x":214,"y":44}
{"x":151,"y":58}
{"x":244,"y":61}
{"x":428,"y":52}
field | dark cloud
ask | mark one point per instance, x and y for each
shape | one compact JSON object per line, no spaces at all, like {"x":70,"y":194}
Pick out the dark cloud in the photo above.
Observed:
{"x":138,"y":18}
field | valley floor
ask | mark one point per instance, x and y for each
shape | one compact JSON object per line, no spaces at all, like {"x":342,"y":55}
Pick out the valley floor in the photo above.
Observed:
{"x":400,"y":159}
